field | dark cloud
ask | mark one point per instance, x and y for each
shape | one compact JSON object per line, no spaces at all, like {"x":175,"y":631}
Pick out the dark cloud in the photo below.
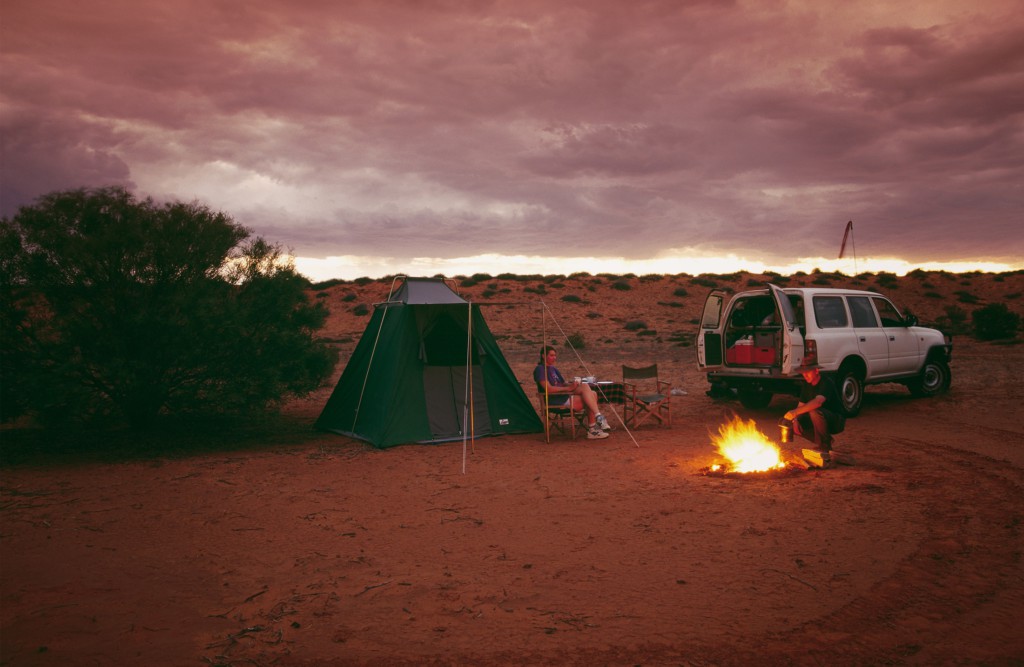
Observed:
{"x":587,"y":129}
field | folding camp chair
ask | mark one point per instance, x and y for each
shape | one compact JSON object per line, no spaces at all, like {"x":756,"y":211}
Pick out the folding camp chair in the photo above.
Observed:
{"x":564,"y":419}
{"x":646,"y":396}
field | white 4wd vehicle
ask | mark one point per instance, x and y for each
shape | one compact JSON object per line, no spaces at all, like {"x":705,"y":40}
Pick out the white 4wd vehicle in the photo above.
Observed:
{"x":754,"y":342}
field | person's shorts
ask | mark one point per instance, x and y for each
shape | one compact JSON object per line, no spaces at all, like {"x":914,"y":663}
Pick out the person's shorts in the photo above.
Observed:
{"x":559,"y":401}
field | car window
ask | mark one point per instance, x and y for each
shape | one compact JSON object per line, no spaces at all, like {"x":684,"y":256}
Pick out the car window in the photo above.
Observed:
{"x":862,"y":312}
{"x":829,"y":312}
{"x":890,"y":316}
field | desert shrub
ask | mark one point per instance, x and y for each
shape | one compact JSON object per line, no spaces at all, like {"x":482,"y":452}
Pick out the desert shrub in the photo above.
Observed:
{"x":670,"y":304}
{"x":927,"y":285}
{"x":754,"y":282}
{"x":651,"y":277}
{"x":1013,"y":295}
{"x":575,"y":340}
{"x":363,"y":281}
{"x":647,"y":332}
{"x":539,"y":289}
{"x":703,"y":282}
{"x":622,"y":285}
{"x":933,"y":295}
{"x":782,"y":280}
{"x":995,"y":321}
{"x":963,"y":296}
{"x":571,"y":298}
{"x":322,"y":295}
{"x":361,"y":309}
{"x":634,"y":325}
{"x":349,"y":297}
{"x":680,"y":292}
{"x":488,"y":293}
{"x":920,"y":274}
{"x":887,"y":280}
{"x":326,"y":284}
{"x":682,"y":338}
{"x":467,"y":282}
{"x":954,"y":321}
{"x":593,"y":315}
{"x":119,"y":309}
{"x":821,"y":280}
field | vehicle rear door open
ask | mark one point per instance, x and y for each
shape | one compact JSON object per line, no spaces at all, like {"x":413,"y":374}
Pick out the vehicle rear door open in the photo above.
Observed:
{"x":792,"y":341}
{"x":710,"y":344}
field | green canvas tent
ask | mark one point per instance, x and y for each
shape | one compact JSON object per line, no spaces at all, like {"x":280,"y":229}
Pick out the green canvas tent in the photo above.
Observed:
{"x":408,"y":380}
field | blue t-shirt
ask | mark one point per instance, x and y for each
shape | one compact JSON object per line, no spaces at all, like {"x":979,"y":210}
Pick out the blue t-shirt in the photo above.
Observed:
{"x":555,"y":379}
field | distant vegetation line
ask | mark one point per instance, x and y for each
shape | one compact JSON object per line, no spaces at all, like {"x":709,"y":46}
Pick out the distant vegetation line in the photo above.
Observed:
{"x":701,"y":279}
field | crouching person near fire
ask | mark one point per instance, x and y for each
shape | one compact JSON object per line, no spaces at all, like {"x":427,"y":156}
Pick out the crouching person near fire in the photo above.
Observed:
{"x":818,"y":414}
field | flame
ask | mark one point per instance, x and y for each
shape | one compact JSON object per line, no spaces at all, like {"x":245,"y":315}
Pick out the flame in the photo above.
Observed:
{"x":746,"y":448}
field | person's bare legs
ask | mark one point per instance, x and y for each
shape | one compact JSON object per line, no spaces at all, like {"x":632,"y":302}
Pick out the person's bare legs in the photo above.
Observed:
{"x":588,"y":399}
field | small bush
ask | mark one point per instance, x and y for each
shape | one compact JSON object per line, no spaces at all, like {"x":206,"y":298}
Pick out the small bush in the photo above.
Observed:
{"x":995,"y":321}
{"x":680,"y":291}
{"x":361,"y":309}
{"x":572,"y":298}
{"x":703,"y":282}
{"x":954,"y":321}
{"x":933,"y":295}
{"x":488,"y":293}
{"x":575,"y":340}
{"x":622,"y":285}
{"x":348,"y":297}
{"x":886,"y":279}
{"x":593,"y":315}
{"x":363,"y":281}
{"x":635,"y":325}
{"x":963,"y":296}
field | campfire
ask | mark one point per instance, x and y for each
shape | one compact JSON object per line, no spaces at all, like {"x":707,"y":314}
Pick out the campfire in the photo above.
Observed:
{"x":745,"y":449}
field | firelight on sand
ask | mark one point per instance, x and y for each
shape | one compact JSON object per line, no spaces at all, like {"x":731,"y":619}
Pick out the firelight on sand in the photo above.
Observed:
{"x":746,"y":448}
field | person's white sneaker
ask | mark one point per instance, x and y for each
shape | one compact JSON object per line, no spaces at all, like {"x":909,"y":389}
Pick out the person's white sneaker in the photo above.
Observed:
{"x":603,"y":423}
{"x":595,"y":433}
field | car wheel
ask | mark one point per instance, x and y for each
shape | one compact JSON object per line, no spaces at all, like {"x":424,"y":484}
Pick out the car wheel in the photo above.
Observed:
{"x":851,"y":391}
{"x":933,"y":380}
{"x":754,"y":399}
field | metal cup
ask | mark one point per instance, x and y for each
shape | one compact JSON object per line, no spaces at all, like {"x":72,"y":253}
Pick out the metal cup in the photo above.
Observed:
{"x":785,"y":431}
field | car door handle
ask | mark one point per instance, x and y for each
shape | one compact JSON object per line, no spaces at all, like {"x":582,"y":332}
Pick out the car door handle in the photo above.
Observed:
{"x":892,"y":337}
{"x":863,"y":339}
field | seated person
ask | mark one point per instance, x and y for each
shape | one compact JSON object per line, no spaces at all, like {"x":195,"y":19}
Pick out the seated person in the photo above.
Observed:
{"x":562,"y":393}
{"x":818,"y":414}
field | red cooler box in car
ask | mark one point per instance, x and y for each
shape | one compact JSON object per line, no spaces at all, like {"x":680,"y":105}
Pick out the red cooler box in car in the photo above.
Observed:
{"x":742,"y":352}
{"x":764,"y":355}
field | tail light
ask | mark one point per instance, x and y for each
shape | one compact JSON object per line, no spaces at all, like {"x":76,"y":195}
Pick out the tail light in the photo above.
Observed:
{"x":810,"y":351}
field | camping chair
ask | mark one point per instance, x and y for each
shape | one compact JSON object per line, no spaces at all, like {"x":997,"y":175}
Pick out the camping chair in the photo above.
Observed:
{"x":564,"y":419}
{"x":646,"y":396}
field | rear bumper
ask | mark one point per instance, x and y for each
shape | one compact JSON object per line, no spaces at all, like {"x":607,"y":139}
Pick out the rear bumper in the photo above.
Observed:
{"x":776,"y":385}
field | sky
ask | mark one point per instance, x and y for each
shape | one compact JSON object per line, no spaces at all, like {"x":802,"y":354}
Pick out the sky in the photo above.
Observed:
{"x":420,"y":137}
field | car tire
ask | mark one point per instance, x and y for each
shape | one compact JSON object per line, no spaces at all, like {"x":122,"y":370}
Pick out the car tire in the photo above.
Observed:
{"x":851,"y":391}
{"x":754,"y":399}
{"x":933,"y":380}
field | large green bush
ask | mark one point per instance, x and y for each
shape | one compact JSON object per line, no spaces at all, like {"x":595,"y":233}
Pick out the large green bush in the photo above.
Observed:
{"x":124,"y":308}
{"x":995,"y":321}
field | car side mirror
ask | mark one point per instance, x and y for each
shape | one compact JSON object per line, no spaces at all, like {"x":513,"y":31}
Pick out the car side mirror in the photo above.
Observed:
{"x":910,"y":320}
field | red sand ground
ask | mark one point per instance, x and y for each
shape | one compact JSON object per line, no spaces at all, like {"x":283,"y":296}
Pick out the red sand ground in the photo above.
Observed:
{"x":333,"y":553}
